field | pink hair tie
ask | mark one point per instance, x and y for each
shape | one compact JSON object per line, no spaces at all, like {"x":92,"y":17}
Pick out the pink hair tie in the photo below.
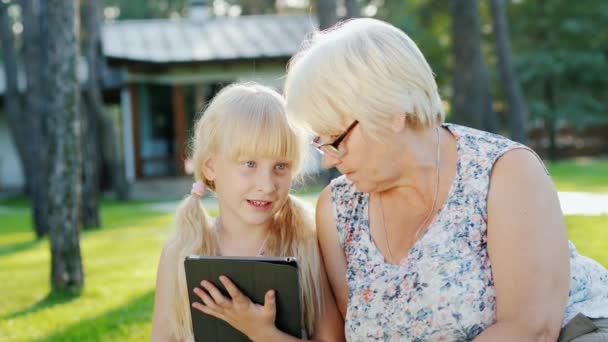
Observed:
{"x":198,"y":189}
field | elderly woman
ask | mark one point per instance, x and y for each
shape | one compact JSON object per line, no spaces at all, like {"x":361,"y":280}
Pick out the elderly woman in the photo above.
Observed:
{"x":435,"y":231}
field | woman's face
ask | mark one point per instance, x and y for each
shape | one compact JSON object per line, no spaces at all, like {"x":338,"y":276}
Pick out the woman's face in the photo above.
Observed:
{"x":365,"y":161}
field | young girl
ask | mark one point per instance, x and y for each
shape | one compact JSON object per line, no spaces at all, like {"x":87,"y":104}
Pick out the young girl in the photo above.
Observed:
{"x":244,"y":150}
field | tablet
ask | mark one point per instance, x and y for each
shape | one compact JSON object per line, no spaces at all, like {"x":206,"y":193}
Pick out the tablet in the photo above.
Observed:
{"x":254,"y":276}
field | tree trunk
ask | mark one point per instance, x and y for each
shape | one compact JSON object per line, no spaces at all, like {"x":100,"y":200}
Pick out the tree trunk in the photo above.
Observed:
{"x":253,"y":7}
{"x":63,"y":123}
{"x":352,"y":8}
{"x":12,"y":98}
{"x":106,"y":143}
{"x":518,"y":113}
{"x":89,"y":209}
{"x":34,"y":17}
{"x":326,"y":12}
{"x":91,"y":159}
{"x":469,"y":94}
{"x":550,"y":119}
{"x":490,"y":117}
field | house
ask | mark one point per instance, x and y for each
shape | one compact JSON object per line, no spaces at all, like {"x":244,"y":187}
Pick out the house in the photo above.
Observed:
{"x":168,"y":69}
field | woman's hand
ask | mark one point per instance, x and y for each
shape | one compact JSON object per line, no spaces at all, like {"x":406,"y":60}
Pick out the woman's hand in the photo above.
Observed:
{"x":251,"y":319}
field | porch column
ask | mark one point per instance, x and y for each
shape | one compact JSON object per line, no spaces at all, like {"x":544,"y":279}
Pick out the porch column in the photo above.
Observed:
{"x":135,"y":128}
{"x":179,"y":116}
{"x":127,"y":134}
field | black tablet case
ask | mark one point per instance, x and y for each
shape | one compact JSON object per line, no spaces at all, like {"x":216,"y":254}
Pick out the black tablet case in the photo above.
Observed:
{"x":254,"y":277}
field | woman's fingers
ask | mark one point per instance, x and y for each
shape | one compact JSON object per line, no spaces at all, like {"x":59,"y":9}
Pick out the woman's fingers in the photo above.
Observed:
{"x":217,"y":296}
{"x":234,"y":292}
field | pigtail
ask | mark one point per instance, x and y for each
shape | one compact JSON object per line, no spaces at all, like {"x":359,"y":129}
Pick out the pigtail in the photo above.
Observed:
{"x":192,"y":235}
{"x":294,"y":235}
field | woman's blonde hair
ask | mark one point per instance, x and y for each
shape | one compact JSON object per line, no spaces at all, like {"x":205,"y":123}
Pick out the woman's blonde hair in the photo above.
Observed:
{"x":244,"y":120}
{"x":362,"y":69}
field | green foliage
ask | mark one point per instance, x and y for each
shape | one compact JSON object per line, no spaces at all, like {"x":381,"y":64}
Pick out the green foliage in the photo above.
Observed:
{"x":559,"y":50}
{"x":148,"y":9}
{"x":561,"y":54}
{"x":427,"y":22}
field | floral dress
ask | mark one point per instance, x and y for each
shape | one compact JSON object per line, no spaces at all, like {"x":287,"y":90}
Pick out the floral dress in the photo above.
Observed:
{"x":443,"y":289}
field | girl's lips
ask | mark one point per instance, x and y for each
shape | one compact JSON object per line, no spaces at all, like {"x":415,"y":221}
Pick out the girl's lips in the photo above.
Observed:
{"x":260,"y":205}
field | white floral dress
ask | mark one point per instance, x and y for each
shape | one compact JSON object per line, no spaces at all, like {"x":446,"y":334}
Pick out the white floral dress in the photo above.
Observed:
{"x":443,"y":289}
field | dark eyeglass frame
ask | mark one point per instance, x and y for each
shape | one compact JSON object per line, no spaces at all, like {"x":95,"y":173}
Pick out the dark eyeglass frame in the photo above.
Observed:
{"x":333,"y":147}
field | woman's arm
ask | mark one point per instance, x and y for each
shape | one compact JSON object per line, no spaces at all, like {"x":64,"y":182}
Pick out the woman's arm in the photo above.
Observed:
{"x":160,"y":320}
{"x":330,"y":326}
{"x":331,"y":250}
{"x":527,"y":245}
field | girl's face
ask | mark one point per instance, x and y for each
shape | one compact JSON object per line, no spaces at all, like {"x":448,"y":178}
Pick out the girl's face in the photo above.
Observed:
{"x":250,"y":191}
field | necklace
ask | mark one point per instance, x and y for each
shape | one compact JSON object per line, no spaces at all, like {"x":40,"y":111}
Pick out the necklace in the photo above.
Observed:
{"x":429,"y":214}
{"x":218,"y":239}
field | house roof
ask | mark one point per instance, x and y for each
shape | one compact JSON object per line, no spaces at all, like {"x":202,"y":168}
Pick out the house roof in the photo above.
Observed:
{"x":163,"y":41}
{"x":213,"y":39}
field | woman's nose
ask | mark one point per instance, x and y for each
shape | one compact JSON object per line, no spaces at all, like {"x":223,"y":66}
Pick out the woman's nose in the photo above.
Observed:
{"x":330,"y":161}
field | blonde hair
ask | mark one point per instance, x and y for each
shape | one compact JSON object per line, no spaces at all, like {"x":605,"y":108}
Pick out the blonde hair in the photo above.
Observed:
{"x":362,"y":69}
{"x":244,"y":120}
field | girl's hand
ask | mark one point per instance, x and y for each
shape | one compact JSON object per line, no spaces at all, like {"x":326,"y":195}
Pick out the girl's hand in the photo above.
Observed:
{"x":251,"y":319}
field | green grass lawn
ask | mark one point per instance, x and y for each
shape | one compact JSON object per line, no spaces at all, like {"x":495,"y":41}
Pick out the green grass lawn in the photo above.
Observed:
{"x":580,"y":175}
{"x":120,"y":264}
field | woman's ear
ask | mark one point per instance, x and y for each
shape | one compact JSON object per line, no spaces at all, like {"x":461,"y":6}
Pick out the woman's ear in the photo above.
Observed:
{"x":209,"y":168}
{"x":399,"y":123}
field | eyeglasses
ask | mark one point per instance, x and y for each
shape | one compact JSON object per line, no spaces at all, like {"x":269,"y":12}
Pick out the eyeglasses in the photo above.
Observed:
{"x":333,"y":148}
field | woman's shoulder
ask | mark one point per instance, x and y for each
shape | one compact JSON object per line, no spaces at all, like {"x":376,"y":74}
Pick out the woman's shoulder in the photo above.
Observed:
{"x":484,"y":149}
{"x":474,"y":138}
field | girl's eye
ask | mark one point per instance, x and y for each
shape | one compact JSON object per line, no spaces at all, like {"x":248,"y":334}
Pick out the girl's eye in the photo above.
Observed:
{"x":281,"y":166}
{"x":250,"y":163}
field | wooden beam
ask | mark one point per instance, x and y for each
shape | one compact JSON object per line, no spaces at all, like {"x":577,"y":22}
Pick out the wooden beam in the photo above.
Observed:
{"x":134,"y":95}
{"x":179,"y":116}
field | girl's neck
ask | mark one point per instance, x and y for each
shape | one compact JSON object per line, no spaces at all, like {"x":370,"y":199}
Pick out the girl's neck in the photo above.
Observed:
{"x":237,"y":239}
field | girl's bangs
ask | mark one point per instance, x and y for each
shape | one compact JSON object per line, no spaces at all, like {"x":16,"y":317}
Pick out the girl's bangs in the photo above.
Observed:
{"x":260,"y":135}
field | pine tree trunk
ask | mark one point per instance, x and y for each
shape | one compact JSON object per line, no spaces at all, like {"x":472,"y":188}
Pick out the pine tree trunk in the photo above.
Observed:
{"x":518,"y":113}
{"x":326,"y":12}
{"x":251,"y":7}
{"x":91,"y":161}
{"x":490,"y":117}
{"x":106,"y":143}
{"x":89,"y":210}
{"x":550,"y":119}
{"x":470,"y":91}
{"x":352,"y":8}
{"x":64,"y":124}
{"x":12,"y":98}
{"x":34,"y":19}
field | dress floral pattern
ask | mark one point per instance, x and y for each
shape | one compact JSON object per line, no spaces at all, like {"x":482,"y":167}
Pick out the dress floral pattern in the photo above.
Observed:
{"x":443,"y":289}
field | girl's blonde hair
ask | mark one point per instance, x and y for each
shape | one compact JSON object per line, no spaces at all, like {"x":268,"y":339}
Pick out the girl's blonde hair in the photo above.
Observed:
{"x":244,"y":120}
{"x":362,"y":69}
